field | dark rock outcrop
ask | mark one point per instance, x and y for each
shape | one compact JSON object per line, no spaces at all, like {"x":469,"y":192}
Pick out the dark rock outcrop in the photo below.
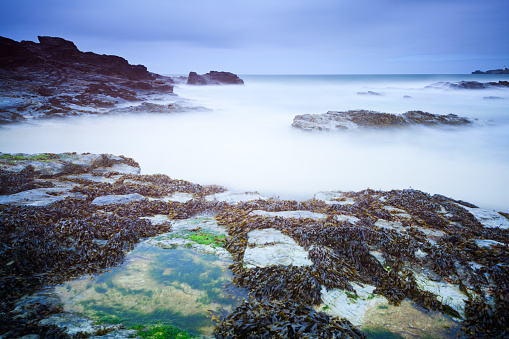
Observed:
{"x":61,"y":55}
{"x":214,"y":78}
{"x":368,"y":119}
{"x":471,"y":85}
{"x":493,"y":71}
{"x":369,"y":93}
{"x":53,"y":78}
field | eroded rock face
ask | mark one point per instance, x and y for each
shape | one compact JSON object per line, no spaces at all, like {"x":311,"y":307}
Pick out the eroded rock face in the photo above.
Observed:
{"x":362,"y":119}
{"x":214,"y":78}
{"x":53,"y":78}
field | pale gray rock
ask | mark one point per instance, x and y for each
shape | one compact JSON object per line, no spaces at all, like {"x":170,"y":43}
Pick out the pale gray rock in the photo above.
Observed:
{"x":334,"y":198}
{"x":148,"y":107}
{"x":270,"y":247}
{"x":67,"y":163}
{"x":73,"y":324}
{"x":488,"y":243}
{"x":177,"y":196}
{"x":234,"y":197}
{"x":353,"y":120}
{"x":39,"y":196}
{"x":290,"y":214}
{"x":117,"y":199}
{"x":488,"y":218}
{"x":447,"y":294}
{"x":342,"y":305}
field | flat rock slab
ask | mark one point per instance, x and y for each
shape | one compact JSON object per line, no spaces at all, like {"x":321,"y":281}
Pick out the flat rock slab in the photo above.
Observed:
{"x":48,"y":164}
{"x":177,"y":197}
{"x":117,"y":199}
{"x":39,"y":196}
{"x":363,"y":119}
{"x":334,"y":198}
{"x":234,"y":197}
{"x":181,"y":228}
{"x":290,"y":214}
{"x":488,"y":218}
{"x":271,"y":247}
{"x":342,"y":305}
{"x":447,"y":294}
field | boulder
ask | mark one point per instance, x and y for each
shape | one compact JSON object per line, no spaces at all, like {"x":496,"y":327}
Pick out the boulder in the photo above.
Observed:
{"x":117,"y":199}
{"x":60,"y":80}
{"x":271,"y":247}
{"x":214,"y":78}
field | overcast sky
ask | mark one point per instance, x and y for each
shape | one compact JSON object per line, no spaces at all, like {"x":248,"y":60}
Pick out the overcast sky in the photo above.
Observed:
{"x":276,"y":36}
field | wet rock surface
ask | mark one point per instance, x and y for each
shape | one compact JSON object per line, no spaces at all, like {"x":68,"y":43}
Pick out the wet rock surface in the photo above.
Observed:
{"x":363,"y":119}
{"x":53,"y":78}
{"x":357,"y":256}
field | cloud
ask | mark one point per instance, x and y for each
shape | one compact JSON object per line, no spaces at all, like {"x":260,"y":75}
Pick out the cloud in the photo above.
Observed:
{"x":332,"y":31}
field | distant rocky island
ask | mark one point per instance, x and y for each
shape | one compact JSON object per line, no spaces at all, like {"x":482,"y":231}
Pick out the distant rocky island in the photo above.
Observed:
{"x":493,"y":71}
{"x":214,"y":78}
{"x":53,"y":78}
{"x":470,"y":85}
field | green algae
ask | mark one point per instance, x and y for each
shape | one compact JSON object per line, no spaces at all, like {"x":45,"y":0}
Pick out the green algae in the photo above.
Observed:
{"x":162,"y":332}
{"x":36,"y":157}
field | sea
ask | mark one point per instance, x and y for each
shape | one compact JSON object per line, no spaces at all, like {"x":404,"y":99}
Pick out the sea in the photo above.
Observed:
{"x":245,"y":140}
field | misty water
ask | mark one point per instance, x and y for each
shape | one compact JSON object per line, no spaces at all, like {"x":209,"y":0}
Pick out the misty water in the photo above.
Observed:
{"x":246,"y":142}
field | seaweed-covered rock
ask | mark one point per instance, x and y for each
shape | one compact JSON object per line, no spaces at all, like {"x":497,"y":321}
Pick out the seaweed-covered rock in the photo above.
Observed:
{"x":283,"y":319}
{"x":369,"y":248}
{"x":362,"y":119}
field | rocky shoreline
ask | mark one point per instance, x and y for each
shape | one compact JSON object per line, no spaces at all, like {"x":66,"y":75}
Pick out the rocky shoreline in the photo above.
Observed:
{"x":326,"y":263}
{"x":53,"y":78}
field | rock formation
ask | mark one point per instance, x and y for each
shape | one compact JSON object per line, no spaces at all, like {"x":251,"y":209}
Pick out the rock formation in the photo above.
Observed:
{"x":214,"y":78}
{"x":470,"y":85}
{"x":53,"y":78}
{"x":352,"y":120}
{"x":493,"y":71}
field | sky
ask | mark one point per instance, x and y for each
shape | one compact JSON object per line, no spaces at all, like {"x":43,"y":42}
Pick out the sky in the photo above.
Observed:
{"x":276,"y":36}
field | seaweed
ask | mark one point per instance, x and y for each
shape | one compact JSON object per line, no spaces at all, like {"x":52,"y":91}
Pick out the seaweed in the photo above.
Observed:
{"x":282,"y":319}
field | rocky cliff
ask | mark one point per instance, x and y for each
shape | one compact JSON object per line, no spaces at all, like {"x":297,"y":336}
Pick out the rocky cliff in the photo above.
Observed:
{"x":53,"y":78}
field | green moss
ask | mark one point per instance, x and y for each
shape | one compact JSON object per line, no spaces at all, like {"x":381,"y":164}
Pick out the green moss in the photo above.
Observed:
{"x":351,"y":295}
{"x":38,"y":157}
{"x":207,"y":239}
{"x":109,"y":319}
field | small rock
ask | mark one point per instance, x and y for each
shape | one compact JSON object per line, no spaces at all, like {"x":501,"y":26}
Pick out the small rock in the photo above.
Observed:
{"x":117,"y":199}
